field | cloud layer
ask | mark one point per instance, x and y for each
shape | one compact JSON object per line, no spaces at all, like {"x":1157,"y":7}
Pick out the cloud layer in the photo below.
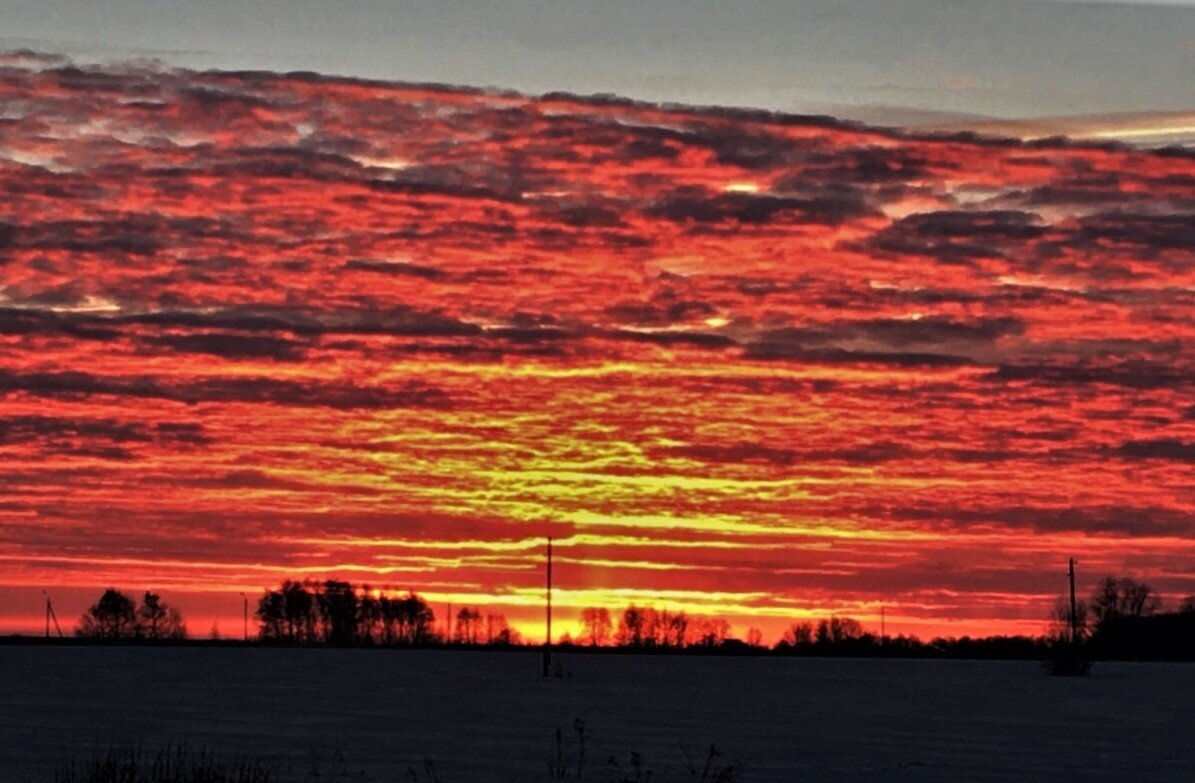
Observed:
{"x":259,"y":324}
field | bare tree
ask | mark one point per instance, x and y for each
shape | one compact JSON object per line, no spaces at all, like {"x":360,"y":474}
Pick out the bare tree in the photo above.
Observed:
{"x":1138,"y":599}
{"x":1114,"y":598}
{"x":498,"y":633}
{"x":631,"y":627}
{"x":468,"y":626}
{"x":712,"y":632}
{"x":837,"y":630}
{"x":369,"y":616}
{"x":596,"y":624}
{"x":678,"y":630}
{"x":655,"y":627}
{"x":1061,"y":621}
{"x":799,"y":634}
{"x":496,"y":629}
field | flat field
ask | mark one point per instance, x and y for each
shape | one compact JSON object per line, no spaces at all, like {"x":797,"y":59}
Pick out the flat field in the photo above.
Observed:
{"x":375,"y":715}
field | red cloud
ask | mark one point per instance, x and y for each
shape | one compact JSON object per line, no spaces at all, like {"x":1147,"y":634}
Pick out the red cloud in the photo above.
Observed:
{"x":256,"y":325}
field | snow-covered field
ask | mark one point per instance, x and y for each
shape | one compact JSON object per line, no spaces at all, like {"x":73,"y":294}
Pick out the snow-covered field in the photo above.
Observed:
{"x":490,"y":716}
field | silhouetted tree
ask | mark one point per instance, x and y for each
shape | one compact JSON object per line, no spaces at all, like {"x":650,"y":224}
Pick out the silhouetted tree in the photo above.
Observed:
{"x":754,"y":637}
{"x":821,"y":636}
{"x":1124,"y":597}
{"x":713,"y":632}
{"x":837,"y":630}
{"x":369,"y":617}
{"x":798,"y":635}
{"x":631,"y":627}
{"x":158,"y":620}
{"x":1066,"y":639}
{"x":387,"y":620}
{"x":655,"y":624}
{"x":114,"y":616}
{"x":495,"y":625}
{"x":271,"y":615}
{"x":336,"y":606}
{"x":416,"y":620}
{"x":338,"y":613}
{"x":596,"y":624}
{"x":498,"y":633}
{"x":407,"y":620}
{"x":1138,"y":599}
{"x":298,"y":606}
{"x":468,"y":626}
{"x":287,"y":614}
{"x":1059,"y":629}
{"x":1130,"y":627}
{"x":677,"y":630}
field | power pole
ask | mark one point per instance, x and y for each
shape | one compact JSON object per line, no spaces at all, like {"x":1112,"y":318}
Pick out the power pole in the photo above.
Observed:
{"x":548,"y":609}
{"x":51,"y":615}
{"x":245,"y":615}
{"x":883,"y":631}
{"x":1074,"y":607}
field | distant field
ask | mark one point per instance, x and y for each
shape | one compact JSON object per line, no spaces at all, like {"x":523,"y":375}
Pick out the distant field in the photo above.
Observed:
{"x":491,"y":717}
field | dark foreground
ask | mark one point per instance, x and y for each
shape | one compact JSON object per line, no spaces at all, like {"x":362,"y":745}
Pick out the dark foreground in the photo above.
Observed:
{"x":491,"y":717}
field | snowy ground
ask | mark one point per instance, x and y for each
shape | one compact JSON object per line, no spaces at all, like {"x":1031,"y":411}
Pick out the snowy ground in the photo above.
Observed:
{"x":490,"y":716}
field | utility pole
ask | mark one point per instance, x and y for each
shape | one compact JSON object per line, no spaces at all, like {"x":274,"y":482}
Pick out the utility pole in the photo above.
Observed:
{"x":51,"y":615}
{"x":245,"y":615}
{"x":883,"y":631}
{"x":548,"y":610}
{"x":1074,"y":607}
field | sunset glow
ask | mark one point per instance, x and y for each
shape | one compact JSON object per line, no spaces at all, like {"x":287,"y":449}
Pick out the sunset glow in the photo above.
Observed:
{"x":258,"y":326}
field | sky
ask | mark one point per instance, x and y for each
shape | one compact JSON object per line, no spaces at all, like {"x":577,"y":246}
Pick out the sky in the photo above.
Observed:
{"x":764,"y":367}
{"x":894,"y":62}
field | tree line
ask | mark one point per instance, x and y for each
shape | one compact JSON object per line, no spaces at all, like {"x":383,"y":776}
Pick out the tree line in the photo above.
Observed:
{"x":335,"y":612}
{"x":1122,"y":619}
{"x":647,"y":628}
{"x":644,"y":629}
